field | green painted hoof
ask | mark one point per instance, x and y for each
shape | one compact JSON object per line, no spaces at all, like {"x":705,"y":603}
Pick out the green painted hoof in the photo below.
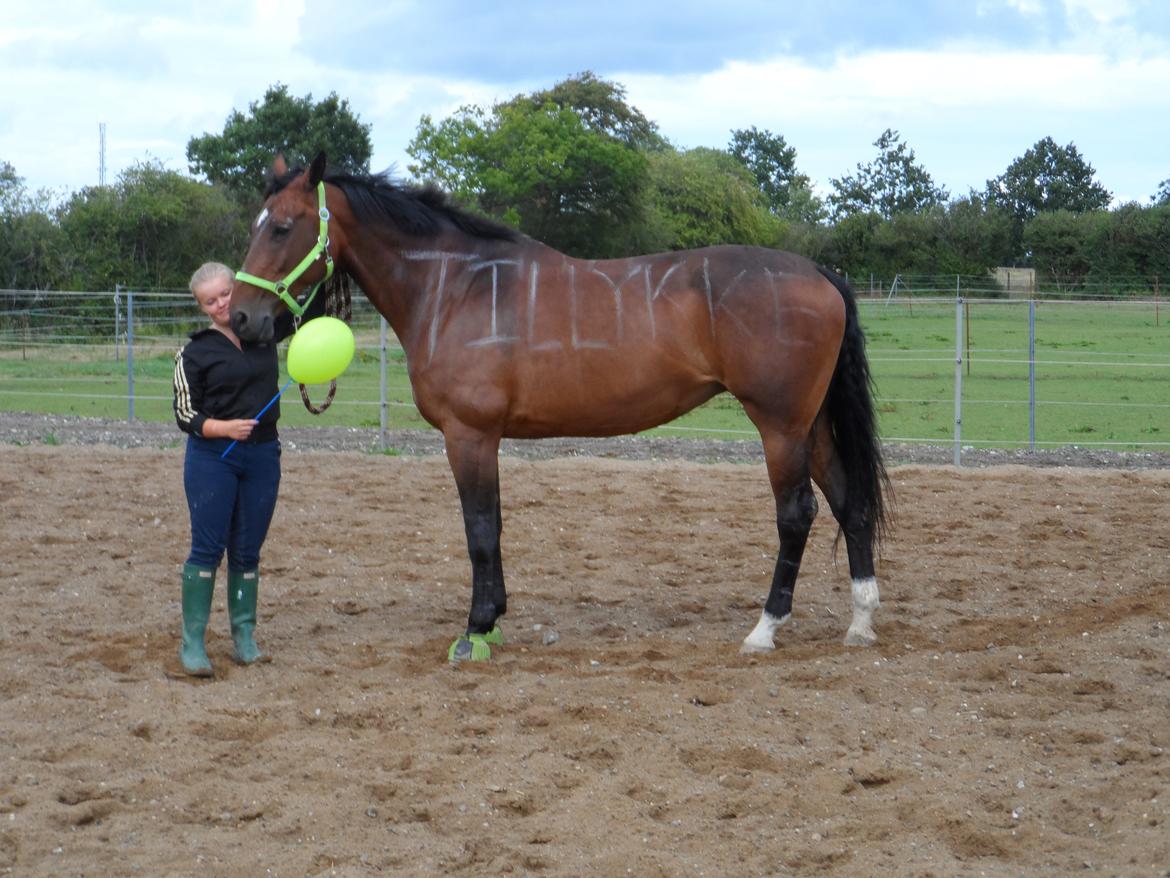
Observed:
{"x":470,"y":647}
{"x":475,"y":647}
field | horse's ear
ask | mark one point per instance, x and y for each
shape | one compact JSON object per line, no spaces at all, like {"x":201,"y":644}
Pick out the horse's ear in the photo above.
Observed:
{"x":279,"y":166}
{"x":317,"y":170}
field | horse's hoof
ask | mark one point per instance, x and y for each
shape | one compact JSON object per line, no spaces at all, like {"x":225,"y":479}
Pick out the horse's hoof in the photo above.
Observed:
{"x":495,"y":637}
{"x":747,"y":648}
{"x":860,"y":637}
{"x":470,"y":647}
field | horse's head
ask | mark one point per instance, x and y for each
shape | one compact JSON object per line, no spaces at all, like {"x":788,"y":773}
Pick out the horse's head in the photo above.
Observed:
{"x":288,"y":255}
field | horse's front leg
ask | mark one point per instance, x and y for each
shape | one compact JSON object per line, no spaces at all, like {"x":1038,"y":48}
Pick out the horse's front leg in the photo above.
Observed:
{"x":474,"y":459}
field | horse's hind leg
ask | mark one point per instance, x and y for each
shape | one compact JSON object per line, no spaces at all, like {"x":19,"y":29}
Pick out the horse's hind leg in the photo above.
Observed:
{"x":830,"y":476}
{"x":796,"y":507}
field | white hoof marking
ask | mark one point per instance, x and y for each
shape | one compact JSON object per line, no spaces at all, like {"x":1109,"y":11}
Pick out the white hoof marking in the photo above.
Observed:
{"x":760,"y":640}
{"x":860,"y":637}
{"x":865,"y":601}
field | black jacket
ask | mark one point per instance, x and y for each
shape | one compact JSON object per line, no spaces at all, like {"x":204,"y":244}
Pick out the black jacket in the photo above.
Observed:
{"x":215,"y":379}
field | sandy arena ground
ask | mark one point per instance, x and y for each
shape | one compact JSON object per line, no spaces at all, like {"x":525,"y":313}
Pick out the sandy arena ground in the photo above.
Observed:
{"x":1013,"y":720}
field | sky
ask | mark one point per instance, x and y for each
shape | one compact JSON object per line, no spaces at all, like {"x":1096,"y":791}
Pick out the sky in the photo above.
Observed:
{"x":970,"y":86}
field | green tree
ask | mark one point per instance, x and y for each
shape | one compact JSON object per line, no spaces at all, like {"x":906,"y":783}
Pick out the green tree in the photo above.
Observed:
{"x":702,"y":197}
{"x":11,"y":185}
{"x":772,"y":162}
{"x":296,"y":128}
{"x":448,"y":153}
{"x":602,"y":108}
{"x":1162,"y":196}
{"x":571,"y":176}
{"x":566,"y":185}
{"x":909,"y":244}
{"x":1154,"y":245}
{"x":149,"y":230}
{"x":807,"y":239}
{"x":1130,"y":243}
{"x":1060,"y":244}
{"x":864,"y":244}
{"x":1045,"y":178}
{"x":892,"y":183}
{"x":975,"y":236}
{"x":849,"y":247}
{"x":30,"y":239}
{"x":965,"y":236}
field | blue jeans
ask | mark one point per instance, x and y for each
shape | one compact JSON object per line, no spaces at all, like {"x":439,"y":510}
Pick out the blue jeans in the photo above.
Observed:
{"x":231,"y":500}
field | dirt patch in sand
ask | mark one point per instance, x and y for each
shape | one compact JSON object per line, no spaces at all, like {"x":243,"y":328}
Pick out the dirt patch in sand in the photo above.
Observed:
{"x":1013,"y":718}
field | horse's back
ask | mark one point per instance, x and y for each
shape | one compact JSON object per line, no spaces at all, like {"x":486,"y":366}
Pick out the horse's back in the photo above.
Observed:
{"x":583,"y":347}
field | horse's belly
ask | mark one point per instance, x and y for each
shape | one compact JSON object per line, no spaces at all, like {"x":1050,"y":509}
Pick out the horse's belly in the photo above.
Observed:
{"x":606,"y":399}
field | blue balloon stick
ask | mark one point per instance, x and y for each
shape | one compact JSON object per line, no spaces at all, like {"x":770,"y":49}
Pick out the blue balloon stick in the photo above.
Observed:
{"x":259,"y":414}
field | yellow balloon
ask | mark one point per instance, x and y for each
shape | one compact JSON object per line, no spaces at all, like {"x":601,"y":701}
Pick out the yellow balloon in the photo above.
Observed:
{"x":320,"y":351}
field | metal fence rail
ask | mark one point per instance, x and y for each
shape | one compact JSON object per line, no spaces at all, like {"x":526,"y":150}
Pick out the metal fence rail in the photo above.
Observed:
{"x":952,"y":369}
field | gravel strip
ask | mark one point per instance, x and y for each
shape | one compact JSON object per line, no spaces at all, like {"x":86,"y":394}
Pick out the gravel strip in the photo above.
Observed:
{"x":17,"y":428}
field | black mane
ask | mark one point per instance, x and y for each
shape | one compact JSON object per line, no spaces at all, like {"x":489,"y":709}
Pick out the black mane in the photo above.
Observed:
{"x":421,"y":211}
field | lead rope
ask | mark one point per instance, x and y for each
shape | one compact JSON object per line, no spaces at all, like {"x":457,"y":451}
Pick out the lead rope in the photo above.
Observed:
{"x":337,"y":304}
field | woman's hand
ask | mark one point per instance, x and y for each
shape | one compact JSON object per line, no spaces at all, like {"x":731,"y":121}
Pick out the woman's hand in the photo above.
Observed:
{"x":239,"y":429}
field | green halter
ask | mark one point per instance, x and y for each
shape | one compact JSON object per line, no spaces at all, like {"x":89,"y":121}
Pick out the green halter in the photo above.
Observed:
{"x":281,"y":287}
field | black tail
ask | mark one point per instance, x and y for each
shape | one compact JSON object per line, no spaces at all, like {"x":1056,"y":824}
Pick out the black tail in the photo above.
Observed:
{"x":854,"y":423}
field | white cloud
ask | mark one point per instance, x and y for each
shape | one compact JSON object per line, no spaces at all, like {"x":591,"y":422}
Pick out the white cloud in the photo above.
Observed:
{"x":1025,"y":7}
{"x":1100,"y":11}
{"x":967,"y":113}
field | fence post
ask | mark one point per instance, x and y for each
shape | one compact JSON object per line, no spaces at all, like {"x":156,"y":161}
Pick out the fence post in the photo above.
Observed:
{"x":117,"y":320}
{"x":384,"y":417}
{"x":959,"y":381}
{"x":967,"y":334}
{"x":1031,"y":374}
{"x":130,"y":351}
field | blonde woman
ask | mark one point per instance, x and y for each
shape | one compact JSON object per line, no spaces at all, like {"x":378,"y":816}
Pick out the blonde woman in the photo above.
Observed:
{"x":220,"y":385}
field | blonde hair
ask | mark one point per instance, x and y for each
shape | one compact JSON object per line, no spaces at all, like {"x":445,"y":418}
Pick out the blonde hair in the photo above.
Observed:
{"x":209,"y":271}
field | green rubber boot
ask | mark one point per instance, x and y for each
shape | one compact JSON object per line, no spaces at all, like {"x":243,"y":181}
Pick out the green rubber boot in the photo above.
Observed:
{"x":242,"y":589}
{"x":198,"y":585}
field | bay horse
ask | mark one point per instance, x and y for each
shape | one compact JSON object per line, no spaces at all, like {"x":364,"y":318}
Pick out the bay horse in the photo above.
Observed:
{"x":507,"y":337}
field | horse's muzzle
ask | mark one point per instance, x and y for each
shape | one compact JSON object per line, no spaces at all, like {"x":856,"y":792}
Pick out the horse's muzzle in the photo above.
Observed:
{"x":257,"y":327}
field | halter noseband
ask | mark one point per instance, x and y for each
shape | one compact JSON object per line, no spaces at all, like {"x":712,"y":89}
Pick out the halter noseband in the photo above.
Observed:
{"x":281,"y":287}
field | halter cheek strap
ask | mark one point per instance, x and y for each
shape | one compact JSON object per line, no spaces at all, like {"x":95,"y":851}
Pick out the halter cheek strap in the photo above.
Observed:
{"x":281,"y":287}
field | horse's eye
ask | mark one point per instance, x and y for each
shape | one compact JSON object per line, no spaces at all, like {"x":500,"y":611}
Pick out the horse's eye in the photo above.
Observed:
{"x":281,"y":229}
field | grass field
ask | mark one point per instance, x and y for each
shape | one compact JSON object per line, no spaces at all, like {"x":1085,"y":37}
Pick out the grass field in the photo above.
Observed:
{"x":1102,"y":378}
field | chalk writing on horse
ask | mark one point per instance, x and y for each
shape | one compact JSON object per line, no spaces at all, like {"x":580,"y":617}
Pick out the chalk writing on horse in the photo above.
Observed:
{"x":506,"y":337}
